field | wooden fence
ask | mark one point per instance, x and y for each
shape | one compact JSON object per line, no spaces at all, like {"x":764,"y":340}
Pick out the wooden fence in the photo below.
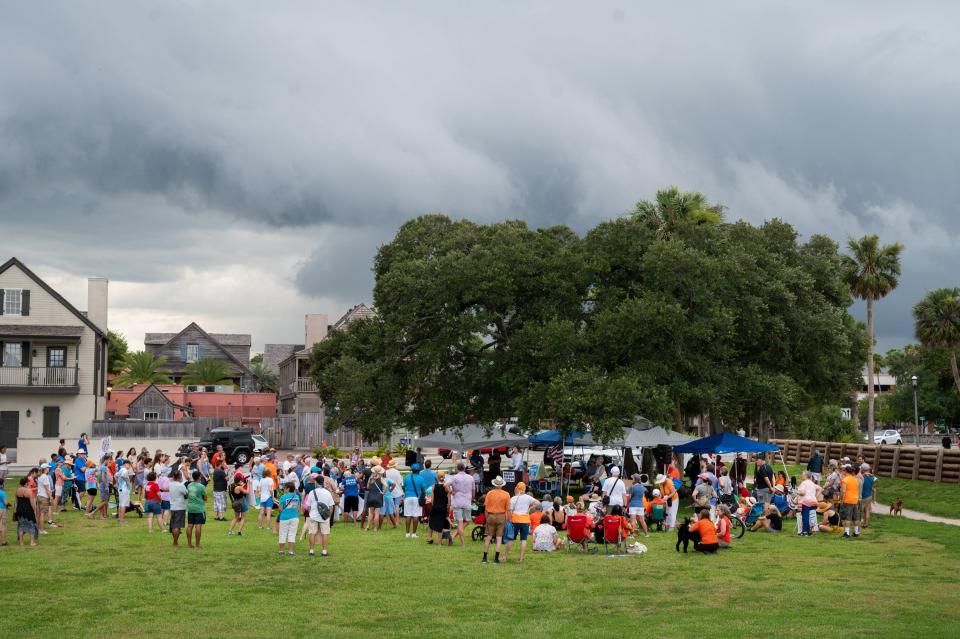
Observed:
{"x":906,"y":462}
{"x":305,"y":430}
{"x":148,"y":429}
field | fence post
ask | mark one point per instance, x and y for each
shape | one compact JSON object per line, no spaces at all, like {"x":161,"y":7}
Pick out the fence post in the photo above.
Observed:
{"x":876,"y":459}
{"x":896,"y":462}
{"x":916,"y":462}
{"x":938,"y":473}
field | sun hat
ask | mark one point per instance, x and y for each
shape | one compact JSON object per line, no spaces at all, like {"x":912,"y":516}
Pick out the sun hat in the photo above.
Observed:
{"x":656,"y":492}
{"x":751,"y":501}
{"x":660,"y":478}
{"x":498,"y":481}
{"x":778,"y":488}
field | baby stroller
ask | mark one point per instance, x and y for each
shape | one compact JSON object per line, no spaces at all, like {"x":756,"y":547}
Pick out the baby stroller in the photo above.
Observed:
{"x":480,"y":519}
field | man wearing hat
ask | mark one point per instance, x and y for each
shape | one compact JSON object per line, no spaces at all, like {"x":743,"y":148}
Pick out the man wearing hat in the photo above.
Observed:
{"x":614,"y":490}
{"x":413,"y":493}
{"x":496,"y":506}
{"x":668,"y":491}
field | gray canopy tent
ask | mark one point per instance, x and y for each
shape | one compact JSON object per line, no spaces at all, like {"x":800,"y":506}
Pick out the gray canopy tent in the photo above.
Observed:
{"x":471,"y":436}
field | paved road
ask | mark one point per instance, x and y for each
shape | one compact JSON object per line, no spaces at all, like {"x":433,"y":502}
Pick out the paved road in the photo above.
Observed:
{"x":884,"y":509}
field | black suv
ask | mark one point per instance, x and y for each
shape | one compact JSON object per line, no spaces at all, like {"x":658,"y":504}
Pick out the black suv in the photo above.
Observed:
{"x":238,"y":444}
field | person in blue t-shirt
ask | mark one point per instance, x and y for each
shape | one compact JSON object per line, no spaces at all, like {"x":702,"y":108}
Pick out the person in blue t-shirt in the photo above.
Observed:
{"x":289,"y":518}
{"x":428,"y":477}
{"x":868,"y":493}
{"x":3,"y":517}
{"x":351,"y":496}
{"x":413,"y":491}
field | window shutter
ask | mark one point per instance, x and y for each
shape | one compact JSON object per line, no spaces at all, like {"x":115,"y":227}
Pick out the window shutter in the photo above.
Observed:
{"x":199,"y":351}
{"x":24,"y":302}
{"x":183,"y":352}
{"x":2,"y":293}
{"x":25,"y":354}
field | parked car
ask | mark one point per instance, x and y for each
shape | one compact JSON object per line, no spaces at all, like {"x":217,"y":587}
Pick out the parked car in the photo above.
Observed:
{"x":239,"y":444}
{"x":887,"y":437}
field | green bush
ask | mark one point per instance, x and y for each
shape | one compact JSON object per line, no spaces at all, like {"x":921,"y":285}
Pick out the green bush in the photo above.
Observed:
{"x":331,"y":452}
{"x":402,"y":449}
{"x":824,"y":424}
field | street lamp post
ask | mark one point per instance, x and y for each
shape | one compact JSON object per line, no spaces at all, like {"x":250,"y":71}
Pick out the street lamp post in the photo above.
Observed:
{"x":916,"y":413}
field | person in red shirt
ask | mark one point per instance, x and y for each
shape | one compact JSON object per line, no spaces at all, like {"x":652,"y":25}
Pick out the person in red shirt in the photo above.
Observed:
{"x":723,"y":527}
{"x":709,"y":542}
{"x":152,"y":496}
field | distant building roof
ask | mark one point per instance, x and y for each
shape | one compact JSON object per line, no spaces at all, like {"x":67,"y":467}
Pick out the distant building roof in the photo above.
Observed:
{"x":34,"y":330}
{"x":360,"y":311}
{"x":273,"y":354}
{"x":226,"y":339}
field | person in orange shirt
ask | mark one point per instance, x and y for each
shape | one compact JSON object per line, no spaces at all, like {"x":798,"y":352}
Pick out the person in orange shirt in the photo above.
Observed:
{"x":495,"y":504}
{"x":849,"y":501}
{"x":709,"y":542}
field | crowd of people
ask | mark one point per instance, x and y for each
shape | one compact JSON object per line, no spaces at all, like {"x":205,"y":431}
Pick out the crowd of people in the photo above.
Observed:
{"x":371,"y":493}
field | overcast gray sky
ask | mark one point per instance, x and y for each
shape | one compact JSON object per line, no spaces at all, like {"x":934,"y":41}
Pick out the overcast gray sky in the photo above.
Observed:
{"x":237,"y":163}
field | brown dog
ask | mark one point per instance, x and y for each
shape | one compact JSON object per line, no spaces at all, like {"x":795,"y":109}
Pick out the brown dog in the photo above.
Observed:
{"x":896,"y":508}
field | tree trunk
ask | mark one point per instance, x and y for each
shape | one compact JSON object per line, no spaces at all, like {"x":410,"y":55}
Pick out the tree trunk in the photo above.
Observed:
{"x":855,"y":410}
{"x":677,"y":419}
{"x":870,"y":344}
{"x":953,"y":367}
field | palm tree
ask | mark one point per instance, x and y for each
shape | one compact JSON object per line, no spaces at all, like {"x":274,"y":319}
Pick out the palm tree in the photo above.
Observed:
{"x":937,"y":323}
{"x":207,"y":372}
{"x":266,"y":378}
{"x":872,"y":271}
{"x":672,"y":207}
{"x":141,"y":368}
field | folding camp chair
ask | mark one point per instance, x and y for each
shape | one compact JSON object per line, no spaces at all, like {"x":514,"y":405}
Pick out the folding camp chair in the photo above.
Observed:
{"x":611,"y":533}
{"x":578,"y":533}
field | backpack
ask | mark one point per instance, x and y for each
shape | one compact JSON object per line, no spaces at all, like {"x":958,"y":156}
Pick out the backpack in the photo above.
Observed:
{"x":322,"y":509}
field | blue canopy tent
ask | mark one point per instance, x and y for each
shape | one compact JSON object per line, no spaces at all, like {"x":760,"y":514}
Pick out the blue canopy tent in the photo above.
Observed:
{"x":726,"y":443}
{"x":552,"y":438}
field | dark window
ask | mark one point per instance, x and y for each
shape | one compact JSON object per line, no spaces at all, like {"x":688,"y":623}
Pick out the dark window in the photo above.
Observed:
{"x":56,"y":356}
{"x":9,"y":428}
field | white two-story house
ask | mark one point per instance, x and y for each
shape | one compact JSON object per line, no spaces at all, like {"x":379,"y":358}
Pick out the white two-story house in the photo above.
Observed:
{"x":53,"y":370}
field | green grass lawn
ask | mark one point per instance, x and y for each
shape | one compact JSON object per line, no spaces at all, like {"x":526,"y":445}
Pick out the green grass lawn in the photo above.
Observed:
{"x":923,"y":496}
{"x":95,"y":578}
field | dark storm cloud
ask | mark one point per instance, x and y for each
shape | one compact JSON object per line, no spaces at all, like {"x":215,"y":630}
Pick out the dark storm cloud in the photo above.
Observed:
{"x":151,"y":129}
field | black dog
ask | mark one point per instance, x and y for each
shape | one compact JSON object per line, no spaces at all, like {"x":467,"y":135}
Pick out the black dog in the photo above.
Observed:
{"x":684,"y":536}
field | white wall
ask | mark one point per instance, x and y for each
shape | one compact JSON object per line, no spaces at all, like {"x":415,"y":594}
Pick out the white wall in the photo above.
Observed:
{"x":77,"y":412}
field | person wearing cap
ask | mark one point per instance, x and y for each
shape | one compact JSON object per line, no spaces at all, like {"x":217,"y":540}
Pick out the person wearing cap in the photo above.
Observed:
{"x":496,"y":506}
{"x":763,"y":481}
{"x":413,"y":493}
{"x":868,"y":493}
{"x":849,"y":501}
{"x":614,"y":490}
{"x":704,"y":493}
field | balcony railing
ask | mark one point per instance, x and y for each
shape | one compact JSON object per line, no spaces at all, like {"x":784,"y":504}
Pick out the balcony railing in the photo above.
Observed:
{"x":37,"y":377}
{"x":306,"y":385}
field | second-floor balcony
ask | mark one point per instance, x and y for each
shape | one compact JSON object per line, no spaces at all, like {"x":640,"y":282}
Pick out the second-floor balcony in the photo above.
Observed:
{"x":38,"y":379}
{"x":306,"y":385}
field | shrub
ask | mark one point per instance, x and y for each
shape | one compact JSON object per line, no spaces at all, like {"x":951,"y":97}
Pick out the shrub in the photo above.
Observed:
{"x":824,"y":424}
{"x":331,"y":452}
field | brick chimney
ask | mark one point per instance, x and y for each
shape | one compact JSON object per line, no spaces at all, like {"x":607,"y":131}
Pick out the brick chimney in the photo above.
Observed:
{"x":97,"y":301}
{"x":315,"y":329}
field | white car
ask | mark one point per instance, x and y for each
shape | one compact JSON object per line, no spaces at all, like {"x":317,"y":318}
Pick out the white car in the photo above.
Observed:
{"x":887,"y":437}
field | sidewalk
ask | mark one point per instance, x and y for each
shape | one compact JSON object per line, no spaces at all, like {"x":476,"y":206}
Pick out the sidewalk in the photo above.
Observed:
{"x":883,"y":509}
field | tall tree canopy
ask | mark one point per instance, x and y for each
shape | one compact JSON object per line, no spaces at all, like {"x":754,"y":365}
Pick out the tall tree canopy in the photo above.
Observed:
{"x":872,"y":270}
{"x":665,"y":312}
{"x":938,"y":323}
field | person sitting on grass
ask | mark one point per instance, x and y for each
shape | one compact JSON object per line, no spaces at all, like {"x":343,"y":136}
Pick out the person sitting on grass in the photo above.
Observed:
{"x":545,"y":538}
{"x":723,"y":526}
{"x":780,"y":501}
{"x":830,"y":521}
{"x":771,"y":521}
{"x":709,"y":542}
